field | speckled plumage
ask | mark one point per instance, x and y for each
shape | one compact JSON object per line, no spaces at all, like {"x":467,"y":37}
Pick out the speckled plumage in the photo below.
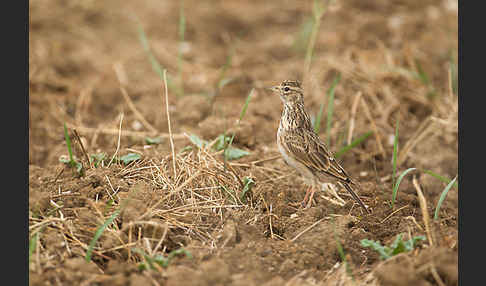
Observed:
{"x":301,"y":147}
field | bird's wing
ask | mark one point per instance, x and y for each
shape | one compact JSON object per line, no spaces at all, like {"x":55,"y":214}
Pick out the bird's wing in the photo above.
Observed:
{"x":309,"y":150}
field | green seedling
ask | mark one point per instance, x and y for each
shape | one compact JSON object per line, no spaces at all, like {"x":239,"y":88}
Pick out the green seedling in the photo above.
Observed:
{"x":159,"y":259}
{"x":109,"y":221}
{"x":99,"y":232}
{"x":185,"y":149}
{"x":130,"y":157}
{"x":232,"y":153}
{"x":451,"y":183}
{"x":442,"y":198}
{"x":397,"y":184}
{"x":222,"y":143}
{"x":395,"y":153}
{"x":198,"y":141}
{"x":33,"y":244}
{"x":153,"y":141}
{"x":248,"y":184}
{"x":442,"y":178}
{"x":398,"y":246}
{"x":353,"y":144}
{"x":318,"y":10}
{"x":96,"y":159}
{"x":71,"y":162}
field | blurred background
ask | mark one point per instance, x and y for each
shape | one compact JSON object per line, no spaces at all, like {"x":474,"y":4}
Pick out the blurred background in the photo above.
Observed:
{"x":396,"y":53}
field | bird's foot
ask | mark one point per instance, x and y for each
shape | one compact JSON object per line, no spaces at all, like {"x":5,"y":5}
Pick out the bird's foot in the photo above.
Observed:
{"x":333,"y":198}
{"x":331,"y":188}
{"x":309,"y":195}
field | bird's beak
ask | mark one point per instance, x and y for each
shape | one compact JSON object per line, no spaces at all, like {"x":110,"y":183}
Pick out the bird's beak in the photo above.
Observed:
{"x":274,"y":88}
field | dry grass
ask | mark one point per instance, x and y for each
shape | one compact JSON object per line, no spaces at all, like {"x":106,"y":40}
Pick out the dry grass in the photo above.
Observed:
{"x":187,"y":204}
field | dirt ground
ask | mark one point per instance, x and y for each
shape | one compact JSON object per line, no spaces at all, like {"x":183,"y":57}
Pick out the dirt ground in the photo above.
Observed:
{"x":89,"y":69}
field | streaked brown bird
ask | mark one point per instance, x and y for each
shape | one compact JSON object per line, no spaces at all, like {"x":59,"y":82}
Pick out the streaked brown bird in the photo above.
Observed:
{"x":302,"y":148}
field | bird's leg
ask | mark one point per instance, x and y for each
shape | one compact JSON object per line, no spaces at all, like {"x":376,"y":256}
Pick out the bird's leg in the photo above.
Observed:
{"x":309,"y":202}
{"x":304,"y":201}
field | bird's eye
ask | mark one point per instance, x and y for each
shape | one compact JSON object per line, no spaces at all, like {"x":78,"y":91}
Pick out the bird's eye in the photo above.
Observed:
{"x":286,"y":88}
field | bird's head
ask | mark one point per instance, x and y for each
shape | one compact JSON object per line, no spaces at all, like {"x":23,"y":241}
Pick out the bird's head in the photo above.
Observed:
{"x":289,"y":91}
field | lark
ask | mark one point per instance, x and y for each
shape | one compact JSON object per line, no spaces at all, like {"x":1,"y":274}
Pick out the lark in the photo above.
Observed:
{"x":302,"y":148}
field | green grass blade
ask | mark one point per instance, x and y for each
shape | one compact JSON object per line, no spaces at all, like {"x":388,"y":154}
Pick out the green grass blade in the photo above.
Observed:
{"x":245,"y":106}
{"x":33,"y":244}
{"x":397,"y":184}
{"x":302,"y":39}
{"x":317,"y":12}
{"x":353,"y":144}
{"x":98,"y":233}
{"x":248,"y":184}
{"x":443,"y":179}
{"x":182,"y":31}
{"x":330,"y":106}
{"x":68,"y":143}
{"x":395,"y":151}
{"x":421,"y":74}
{"x":242,"y":114}
{"x":317,"y":122}
{"x":442,"y":197}
{"x":153,"y":60}
{"x":318,"y":9}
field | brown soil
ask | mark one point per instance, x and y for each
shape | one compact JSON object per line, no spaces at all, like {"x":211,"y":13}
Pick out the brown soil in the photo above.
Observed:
{"x":83,"y":53}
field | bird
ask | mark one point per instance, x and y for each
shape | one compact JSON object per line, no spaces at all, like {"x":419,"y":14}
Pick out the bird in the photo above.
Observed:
{"x":301,"y":147}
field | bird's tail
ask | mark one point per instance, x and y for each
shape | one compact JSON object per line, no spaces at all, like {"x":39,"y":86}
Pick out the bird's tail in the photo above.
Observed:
{"x":356,"y":198}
